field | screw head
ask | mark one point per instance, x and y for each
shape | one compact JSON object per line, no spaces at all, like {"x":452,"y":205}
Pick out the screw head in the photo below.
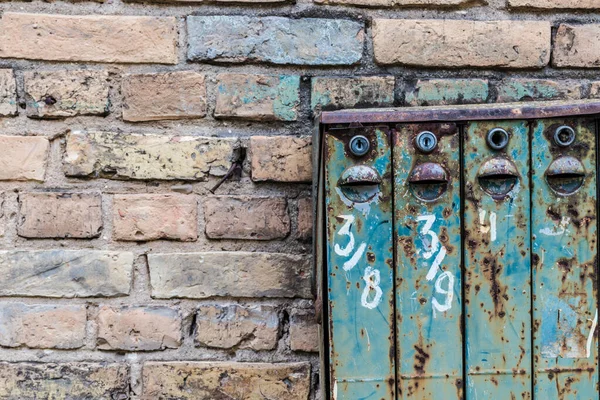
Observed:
{"x":426,"y":141}
{"x":564,"y":136}
{"x":359,"y":145}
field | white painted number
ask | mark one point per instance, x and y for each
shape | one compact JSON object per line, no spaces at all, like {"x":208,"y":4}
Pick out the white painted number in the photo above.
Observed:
{"x":372,"y":279}
{"x":483,"y":228}
{"x":371,"y":276}
{"x":449,"y":293}
{"x":431,"y":248}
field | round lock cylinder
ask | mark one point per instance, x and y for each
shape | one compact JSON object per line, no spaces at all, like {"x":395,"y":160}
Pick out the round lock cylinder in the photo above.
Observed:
{"x":564,"y":136}
{"x":497,"y":139}
{"x":359,"y":145}
{"x":426,"y":142}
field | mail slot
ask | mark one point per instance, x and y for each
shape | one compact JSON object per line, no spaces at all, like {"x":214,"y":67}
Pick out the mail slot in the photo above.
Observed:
{"x":456,"y":251}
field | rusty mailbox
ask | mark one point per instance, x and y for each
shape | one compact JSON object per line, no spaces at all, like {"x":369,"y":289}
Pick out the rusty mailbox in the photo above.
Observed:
{"x":456,"y":251}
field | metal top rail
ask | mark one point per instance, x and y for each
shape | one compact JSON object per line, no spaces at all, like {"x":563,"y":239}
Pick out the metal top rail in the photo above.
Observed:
{"x":525,"y":110}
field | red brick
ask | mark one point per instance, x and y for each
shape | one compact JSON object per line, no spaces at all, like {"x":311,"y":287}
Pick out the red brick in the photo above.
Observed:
{"x":457,"y":43}
{"x":246,"y":217}
{"x":281,"y":158}
{"x":172,"y":95}
{"x":305,"y":218}
{"x":23,"y":158}
{"x":304,"y":332}
{"x":141,"y":217}
{"x":138,"y":328}
{"x":96,"y":38}
{"x":42,"y":326}
{"x":237,"y":326}
{"x":60,"y":215}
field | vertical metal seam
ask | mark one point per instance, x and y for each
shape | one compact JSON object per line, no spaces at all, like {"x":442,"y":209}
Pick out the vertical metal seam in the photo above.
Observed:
{"x":324,"y":277}
{"x":392,"y":137}
{"x":463,"y":321}
{"x":597,"y":141}
{"x":531,"y":280}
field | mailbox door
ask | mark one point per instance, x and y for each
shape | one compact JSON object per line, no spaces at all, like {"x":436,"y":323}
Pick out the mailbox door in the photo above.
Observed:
{"x":497,"y":261}
{"x":428,"y":261}
{"x":564,"y":259}
{"x":360,"y":264}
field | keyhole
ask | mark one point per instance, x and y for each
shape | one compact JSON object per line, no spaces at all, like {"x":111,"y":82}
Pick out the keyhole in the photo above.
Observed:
{"x":359,"y":145}
{"x":564,"y":136}
{"x":426,"y":141}
{"x":497,"y":138}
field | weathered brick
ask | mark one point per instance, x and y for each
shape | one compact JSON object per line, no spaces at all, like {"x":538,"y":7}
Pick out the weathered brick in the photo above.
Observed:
{"x":216,"y":380}
{"x":58,"y":94}
{"x":96,"y":38}
{"x":556,"y":4}
{"x":258,"y":97}
{"x":538,"y":89}
{"x":370,"y":91}
{"x":577,"y":46}
{"x":595,"y":90}
{"x":23,"y":158}
{"x":98,"y":381}
{"x":448,"y":91}
{"x":305,"y":218}
{"x":229,"y":274}
{"x":455,"y":43}
{"x":237,"y":326}
{"x":8,"y":93}
{"x":281,"y":158}
{"x":65,"y":273}
{"x":138,"y":328}
{"x":155,"y":216}
{"x":257,"y":2}
{"x":277,"y":40}
{"x":60,"y":215}
{"x":304,"y":331}
{"x":171,"y":95}
{"x":3,"y":219}
{"x":120,"y":156}
{"x":245,"y":217}
{"x":401,"y":3}
{"x":42,"y":326}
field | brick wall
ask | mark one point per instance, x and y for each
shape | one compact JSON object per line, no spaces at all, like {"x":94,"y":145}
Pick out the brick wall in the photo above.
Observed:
{"x":121,"y":274}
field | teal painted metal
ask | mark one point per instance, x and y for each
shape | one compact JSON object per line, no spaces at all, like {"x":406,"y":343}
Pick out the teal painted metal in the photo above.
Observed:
{"x":497,"y":263}
{"x":360,"y":266}
{"x":564,"y":252}
{"x":428,"y":264}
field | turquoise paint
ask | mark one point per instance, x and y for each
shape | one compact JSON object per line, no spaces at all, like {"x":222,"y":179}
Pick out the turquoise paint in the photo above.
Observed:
{"x":282,"y":91}
{"x":448,"y":91}
{"x":359,"y":246}
{"x":497,"y":271}
{"x":429,"y":341}
{"x":564,"y":238}
{"x":287,"y":98}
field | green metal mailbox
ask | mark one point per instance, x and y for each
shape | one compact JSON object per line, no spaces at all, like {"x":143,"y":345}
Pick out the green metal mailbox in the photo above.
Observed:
{"x":456,"y":251}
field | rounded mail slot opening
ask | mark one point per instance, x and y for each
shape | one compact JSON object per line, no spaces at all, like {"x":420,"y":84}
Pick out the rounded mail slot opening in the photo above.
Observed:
{"x":428,"y":181}
{"x":426,"y":141}
{"x":359,"y":145}
{"x":497,"y":138}
{"x":360,"y":183}
{"x":565,"y":175}
{"x":497,"y":177}
{"x":564,"y":136}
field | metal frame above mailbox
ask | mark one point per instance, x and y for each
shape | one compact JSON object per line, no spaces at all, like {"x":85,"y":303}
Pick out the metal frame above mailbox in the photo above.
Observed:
{"x":456,"y":251}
